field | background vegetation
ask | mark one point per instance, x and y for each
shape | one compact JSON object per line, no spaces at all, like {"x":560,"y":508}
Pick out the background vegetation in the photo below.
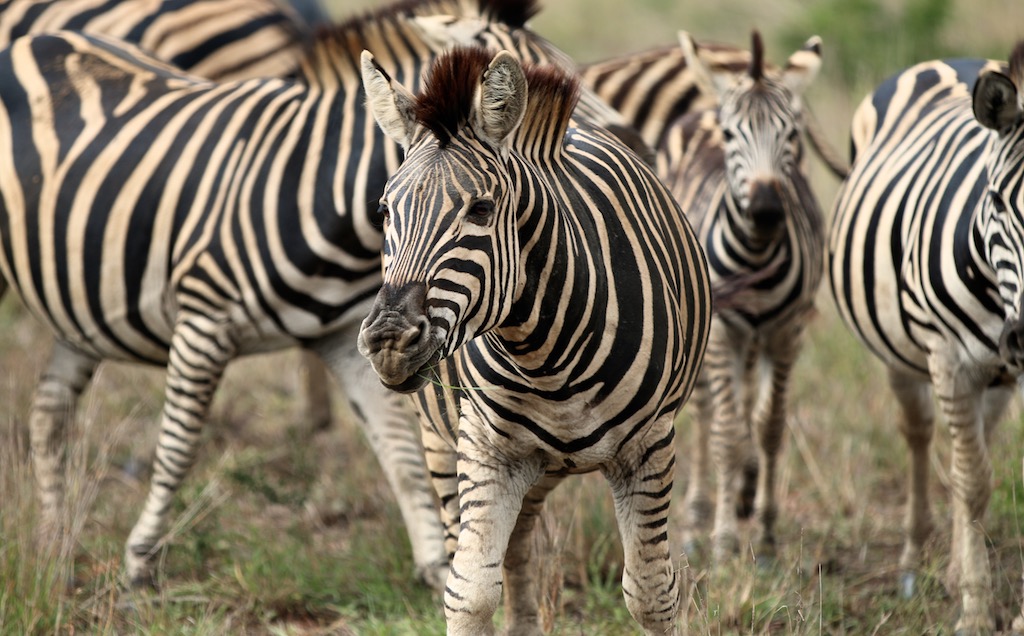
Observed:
{"x":282,"y":531}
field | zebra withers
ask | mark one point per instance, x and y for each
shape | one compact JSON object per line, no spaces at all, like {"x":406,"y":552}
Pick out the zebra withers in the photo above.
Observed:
{"x":156,"y":217}
{"x":554,"y":268}
{"x":737,"y":171}
{"x":927,"y":268}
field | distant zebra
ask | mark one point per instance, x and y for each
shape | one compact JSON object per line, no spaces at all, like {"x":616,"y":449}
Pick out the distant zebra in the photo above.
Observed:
{"x":927,"y":268}
{"x":654,"y":88}
{"x":156,"y":217}
{"x":737,"y":172}
{"x":573,"y":297}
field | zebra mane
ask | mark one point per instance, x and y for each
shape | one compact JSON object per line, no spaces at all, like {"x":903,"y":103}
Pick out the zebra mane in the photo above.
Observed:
{"x":449,"y":91}
{"x":514,"y":13}
{"x":756,"y":56}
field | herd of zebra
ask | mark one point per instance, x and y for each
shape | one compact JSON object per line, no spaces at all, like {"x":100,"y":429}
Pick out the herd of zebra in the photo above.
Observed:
{"x":432,"y":199}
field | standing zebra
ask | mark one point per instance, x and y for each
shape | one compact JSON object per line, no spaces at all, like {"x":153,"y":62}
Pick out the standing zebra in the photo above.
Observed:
{"x":555,"y":269}
{"x":154,"y":217}
{"x":927,"y":268}
{"x":737,"y":171}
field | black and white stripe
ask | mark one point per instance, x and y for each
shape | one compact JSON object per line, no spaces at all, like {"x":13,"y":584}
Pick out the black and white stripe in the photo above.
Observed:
{"x":926,"y":252}
{"x":565,"y":291}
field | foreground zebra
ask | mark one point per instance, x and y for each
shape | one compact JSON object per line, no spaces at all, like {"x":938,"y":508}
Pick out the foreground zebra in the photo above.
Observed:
{"x":737,"y":172}
{"x":567,"y":286}
{"x":927,"y":268}
{"x":208,"y":221}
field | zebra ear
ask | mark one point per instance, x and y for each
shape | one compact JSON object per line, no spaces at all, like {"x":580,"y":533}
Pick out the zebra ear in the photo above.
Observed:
{"x":802,"y":67}
{"x":391,"y":104}
{"x":501,"y":98}
{"x":995,"y":101}
{"x":712,"y":78}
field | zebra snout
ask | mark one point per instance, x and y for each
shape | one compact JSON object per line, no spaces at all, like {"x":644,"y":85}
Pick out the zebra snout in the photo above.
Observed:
{"x":765,"y":209}
{"x":396,"y":336}
{"x":1011,"y":343}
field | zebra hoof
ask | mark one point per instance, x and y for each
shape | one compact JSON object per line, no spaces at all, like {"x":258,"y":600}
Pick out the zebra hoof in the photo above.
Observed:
{"x":908,"y":585}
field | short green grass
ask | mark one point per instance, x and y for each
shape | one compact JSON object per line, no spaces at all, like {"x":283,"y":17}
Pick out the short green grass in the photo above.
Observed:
{"x":282,"y":531}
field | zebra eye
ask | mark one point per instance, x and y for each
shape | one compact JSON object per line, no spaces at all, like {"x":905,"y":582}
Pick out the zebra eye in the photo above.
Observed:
{"x":794,"y":136}
{"x":480,"y":211}
{"x":384,"y":211}
{"x":728,"y":135}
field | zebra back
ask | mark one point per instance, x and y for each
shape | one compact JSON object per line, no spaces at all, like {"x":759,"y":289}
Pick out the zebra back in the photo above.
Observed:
{"x":216,"y":39}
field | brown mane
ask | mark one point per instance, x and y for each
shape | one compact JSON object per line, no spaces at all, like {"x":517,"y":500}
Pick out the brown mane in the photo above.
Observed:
{"x":449,"y":89}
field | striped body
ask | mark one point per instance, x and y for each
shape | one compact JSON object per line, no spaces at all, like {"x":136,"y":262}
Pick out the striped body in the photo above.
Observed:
{"x":580,"y":333}
{"x":926,"y":257}
{"x":655,"y":87}
{"x":156,"y":217}
{"x":216,"y":39}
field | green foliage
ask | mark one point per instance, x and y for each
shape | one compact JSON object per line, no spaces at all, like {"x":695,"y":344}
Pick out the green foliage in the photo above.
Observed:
{"x":867,"y":40}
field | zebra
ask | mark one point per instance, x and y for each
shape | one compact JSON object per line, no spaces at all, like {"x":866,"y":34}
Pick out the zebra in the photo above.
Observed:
{"x":925,"y":265}
{"x":554,"y":273}
{"x":737,"y":171}
{"x":654,"y":88}
{"x":243,"y":225}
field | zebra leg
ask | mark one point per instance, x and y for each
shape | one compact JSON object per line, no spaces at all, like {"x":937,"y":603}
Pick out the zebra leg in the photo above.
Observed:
{"x":697,"y":508}
{"x":389,"y":422}
{"x":769,"y":423}
{"x":642,"y":489}
{"x":747,"y":488}
{"x":491,"y":492}
{"x":959,"y":397}
{"x":316,"y":391}
{"x":53,"y":407}
{"x":724,"y":362}
{"x":200,"y":349}
{"x":522,"y":612}
{"x":917,"y":425}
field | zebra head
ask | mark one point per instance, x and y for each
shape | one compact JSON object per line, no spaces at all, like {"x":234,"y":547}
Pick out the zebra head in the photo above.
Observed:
{"x":760,"y":119}
{"x":450,"y":236}
{"x":998,"y":103}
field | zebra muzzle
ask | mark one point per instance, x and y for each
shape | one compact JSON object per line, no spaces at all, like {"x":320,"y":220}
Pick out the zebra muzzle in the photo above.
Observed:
{"x":396,"y":337}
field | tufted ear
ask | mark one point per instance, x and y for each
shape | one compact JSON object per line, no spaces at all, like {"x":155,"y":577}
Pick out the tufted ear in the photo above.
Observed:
{"x":802,"y":66}
{"x":712,"y":77}
{"x":995,"y":101}
{"x":391,"y":104}
{"x":501,"y":99}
